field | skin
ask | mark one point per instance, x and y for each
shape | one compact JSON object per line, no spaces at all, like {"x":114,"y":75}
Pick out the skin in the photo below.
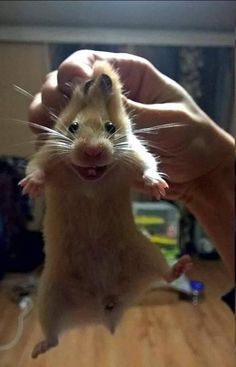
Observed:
{"x":198,"y":157}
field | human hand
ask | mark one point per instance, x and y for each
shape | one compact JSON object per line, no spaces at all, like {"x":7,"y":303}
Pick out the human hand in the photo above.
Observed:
{"x":187,"y":151}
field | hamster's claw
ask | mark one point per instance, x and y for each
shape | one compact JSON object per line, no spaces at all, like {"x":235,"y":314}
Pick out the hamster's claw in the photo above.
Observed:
{"x":33,"y":184}
{"x":154,"y":184}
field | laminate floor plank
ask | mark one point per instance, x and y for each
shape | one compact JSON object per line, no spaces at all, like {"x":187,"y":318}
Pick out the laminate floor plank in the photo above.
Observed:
{"x":162,"y":331}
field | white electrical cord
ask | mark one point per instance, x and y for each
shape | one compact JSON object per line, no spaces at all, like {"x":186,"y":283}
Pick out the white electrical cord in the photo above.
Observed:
{"x":26,"y":305}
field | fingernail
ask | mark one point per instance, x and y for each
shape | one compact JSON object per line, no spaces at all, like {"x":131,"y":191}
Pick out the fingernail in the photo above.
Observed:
{"x":70,"y":86}
{"x":75,"y":81}
{"x":65,"y":96}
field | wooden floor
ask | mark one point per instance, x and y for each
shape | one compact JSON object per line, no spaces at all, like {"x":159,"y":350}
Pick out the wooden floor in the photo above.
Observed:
{"x":163,"y":332}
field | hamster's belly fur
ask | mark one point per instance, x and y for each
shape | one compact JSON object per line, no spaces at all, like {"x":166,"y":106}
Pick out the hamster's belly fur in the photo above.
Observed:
{"x":98,"y":261}
{"x":95,"y":247}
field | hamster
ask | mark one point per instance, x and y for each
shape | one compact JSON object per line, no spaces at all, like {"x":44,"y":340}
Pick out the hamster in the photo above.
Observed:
{"x":98,"y":263}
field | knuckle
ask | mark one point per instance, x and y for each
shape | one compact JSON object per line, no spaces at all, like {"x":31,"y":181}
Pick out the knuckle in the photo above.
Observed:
{"x":49,"y":84}
{"x":51,"y":75}
{"x":34,"y":105}
{"x":182,"y":113}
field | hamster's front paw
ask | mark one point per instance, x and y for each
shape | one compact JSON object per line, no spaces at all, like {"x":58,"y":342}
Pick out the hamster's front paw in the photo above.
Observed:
{"x":33,"y":184}
{"x":154,"y":184}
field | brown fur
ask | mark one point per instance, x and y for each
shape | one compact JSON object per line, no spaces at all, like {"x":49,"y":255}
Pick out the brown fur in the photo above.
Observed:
{"x":95,"y":255}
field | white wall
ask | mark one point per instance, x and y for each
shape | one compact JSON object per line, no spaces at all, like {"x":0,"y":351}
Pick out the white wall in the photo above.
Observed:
{"x":181,"y":15}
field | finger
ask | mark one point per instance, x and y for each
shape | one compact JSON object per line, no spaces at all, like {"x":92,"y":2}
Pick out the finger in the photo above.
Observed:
{"x":141,"y":80}
{"x":38,"y":114}
{"x":80,"y":64}
{"x":77,"y":66}
{"x":46,"y":106}
{"x":52,"y":98}
{"x":148,"y":115}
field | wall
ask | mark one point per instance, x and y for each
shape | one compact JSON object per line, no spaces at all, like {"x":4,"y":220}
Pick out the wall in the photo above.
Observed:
{"x":24,"y":65}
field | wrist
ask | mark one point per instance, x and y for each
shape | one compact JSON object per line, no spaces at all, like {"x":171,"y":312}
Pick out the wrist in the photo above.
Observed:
{"x":210,"y":199}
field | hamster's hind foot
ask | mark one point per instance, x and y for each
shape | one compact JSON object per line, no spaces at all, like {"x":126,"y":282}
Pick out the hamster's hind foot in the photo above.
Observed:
{"x":43,"y":347}
{"x":183,"y":265}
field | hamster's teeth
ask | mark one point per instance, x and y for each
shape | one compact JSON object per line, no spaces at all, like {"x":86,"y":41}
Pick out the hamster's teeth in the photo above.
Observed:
{"x":92,"y":172}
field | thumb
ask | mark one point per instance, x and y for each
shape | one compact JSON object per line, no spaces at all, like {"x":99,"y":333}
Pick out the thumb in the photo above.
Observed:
{"x":154,"y":114}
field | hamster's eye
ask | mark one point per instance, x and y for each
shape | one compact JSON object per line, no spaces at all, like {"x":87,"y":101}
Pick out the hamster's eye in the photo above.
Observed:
{"x":73,"y":127}
{"x":109,"y":306}
{"x":110,"y":128}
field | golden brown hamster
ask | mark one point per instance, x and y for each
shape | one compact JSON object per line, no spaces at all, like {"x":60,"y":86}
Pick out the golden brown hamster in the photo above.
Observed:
{"x":98,"y":263}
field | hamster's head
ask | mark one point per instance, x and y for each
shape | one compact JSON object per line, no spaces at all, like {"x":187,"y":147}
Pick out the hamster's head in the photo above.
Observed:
{"x":94,"y":127}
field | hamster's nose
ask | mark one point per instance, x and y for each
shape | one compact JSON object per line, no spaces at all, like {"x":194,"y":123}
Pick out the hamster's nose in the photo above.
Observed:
{"x":93,"y":150}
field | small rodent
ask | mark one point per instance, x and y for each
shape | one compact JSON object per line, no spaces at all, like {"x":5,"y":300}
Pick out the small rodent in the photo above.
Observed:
{"x":98,"y":263}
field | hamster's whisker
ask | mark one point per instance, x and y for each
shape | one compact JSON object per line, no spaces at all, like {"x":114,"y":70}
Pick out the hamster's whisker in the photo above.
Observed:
{"x":111,"y":136}
{"x":57,"y":154}
{"x":55,"y":141}
{"x":54,"y":155}
{"x":123,"y":149}
{"x":121,"y":144}
{"x":51,"y":132}
{"x":55,"y":135}
{"x":53,"y":116}
{"x":132,"y":116}
{"x":58,"y":148}
{"x":121,"y":153}
{"x":40,"y":127}
{"x":24,"y":143}
{"x":33,"y":141}
{"x":163,"y":175}
{"x":121,"y":141}
{"x":66,"y":138}
{"x":56,"y":151}
{"x":58,"y":145}
{"x":154,"y":129}
{"x":62,"y":130}
{"x":31,"y":96}
{"x":65,"y":130}
{"x":124,"y":146}
{"x":128,"y":161}
{"x":22,"y":91}
{"x":120,"y":136}
{"x":150,"y":144}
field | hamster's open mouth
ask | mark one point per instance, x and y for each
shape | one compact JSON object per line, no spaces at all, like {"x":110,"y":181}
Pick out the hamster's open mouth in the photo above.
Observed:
{"x":91,"y":173}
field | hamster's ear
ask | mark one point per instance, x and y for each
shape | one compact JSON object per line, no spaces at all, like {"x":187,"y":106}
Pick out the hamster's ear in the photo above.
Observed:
{"x":87,"y":86}
{"x":105,"y":87}
{"x":99,"y":89}
{"x":105,"y":84}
